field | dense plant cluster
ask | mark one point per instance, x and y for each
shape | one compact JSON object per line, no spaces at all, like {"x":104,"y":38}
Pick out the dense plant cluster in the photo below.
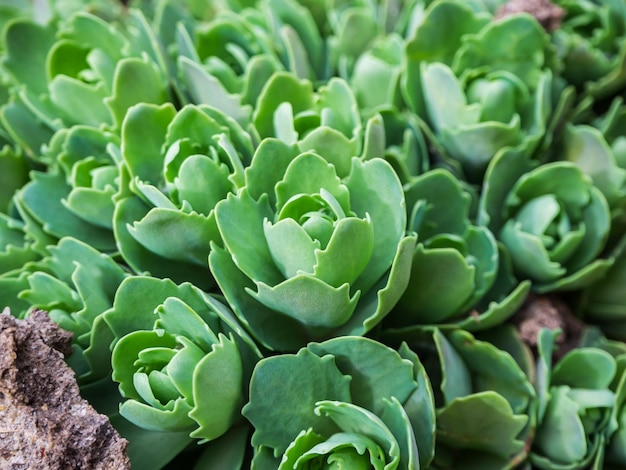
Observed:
{"x":300,"y":234}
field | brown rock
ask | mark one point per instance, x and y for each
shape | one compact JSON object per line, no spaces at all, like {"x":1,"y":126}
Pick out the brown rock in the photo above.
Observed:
{"x":545,"y":12}
{"x":545,"y":311}
{"x":44,"y":423}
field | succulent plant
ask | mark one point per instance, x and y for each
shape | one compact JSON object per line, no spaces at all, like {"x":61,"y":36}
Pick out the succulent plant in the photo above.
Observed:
{"x":351,"y":401}
{"x":323,"y":256}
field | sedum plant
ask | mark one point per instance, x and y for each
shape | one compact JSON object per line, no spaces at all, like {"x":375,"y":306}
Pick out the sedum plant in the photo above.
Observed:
{"x":182,"y":363}
{"x":551,"y":218}
{"x":576,"y":390}
{"x":474,"y":102}
{"x":351,"y":402}
{"x":323,"y":256}
{"x":84,"y":60}
{"x":187,"y":373}
{"x":297,"y":234}
{"x":453,"y":256}
{"x":178,"y":165}
{"x":592,"y":33}
{"x":484,"y":400}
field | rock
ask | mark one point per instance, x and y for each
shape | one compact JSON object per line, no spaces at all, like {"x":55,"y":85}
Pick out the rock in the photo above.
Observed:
{"x":44,"y":422}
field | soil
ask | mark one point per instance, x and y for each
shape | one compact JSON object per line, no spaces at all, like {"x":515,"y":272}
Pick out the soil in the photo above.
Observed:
{"x":44,"y":423}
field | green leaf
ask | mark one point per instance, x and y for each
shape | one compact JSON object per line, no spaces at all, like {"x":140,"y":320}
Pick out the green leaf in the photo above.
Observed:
{"x":43,"y":196}
{"x":162,"y":446}
{"x":176,"y":235}
{"x":378,"y":372}
{"x":516,"y":44}
{"x":308,"y":173}
{"x":284,"y":391}
{"x":292,"y":248}
{"x":143,"y":134}
{"x":127,"y":212}
{"x":218,"y":391}
{"x":154,"y":419}
{"x":445,"y":99}
{"x":179,"y":319}
{"x":376,"y":303}
{"x":347,"y":253}
{"x":26,"y":44}
{"x":136,"y":81}
{"x":274,"y":330}
{"x":434,"y":272}
{"x":349,"y":450}
{"x":282,"y":87}
{"x":495,"y":370}
{"x":456,"y":376}
{"x":46,"y":290}
{"x":248,"y":246}
{"x":24,"y":128}
{"x":304,"y":441}
{"x":475,"y":146}
{"x":336,"y":148}
{"x":227,"y":452}
{"x":586,"y":147}
{"x":309,"y":300}
{"x":589,"y":368}
{"x":482,"y":421}
{"x":530,"y":256}
{"x":561,"y":436}
{"x":502,"y":173}
{"x":430,"y":43}
{"x":397,"y":421}
{"x":268,"y":167}
{"x":204,"y":88}
{"x":376,"y":190}
{"x":69,"y":95}
{"x":126,"y":352}
{"x":420,"y":408}
{"x":13,"y":175}
{"x":137,"y":299}
{"x":353,"y":419}
{"x":447,"y":212}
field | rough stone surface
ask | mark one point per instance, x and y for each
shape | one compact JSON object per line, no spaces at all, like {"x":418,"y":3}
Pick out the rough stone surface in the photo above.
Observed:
{"x":547,"y":13}
{"x":544,"y":311}
{"x":44,"y":423}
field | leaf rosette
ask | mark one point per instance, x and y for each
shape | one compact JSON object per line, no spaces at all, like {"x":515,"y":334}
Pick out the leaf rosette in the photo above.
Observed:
{"x":75,"y":284}
{"x":592,"y":33}
{"x":349,"y":402}
{"x":225,"y":62}
{"x":70,"y":95}
{"x":308,"y":255}
{"x":483,"y":84}
{"x":576,"y":413}
{"x":74,"y":198}
{"x":455,"y":256}
{"x":614,"y":456}
{"x":85,"y":71}
{"x":326,"y":121}
{"x":552,"y":219}
{"x":178,"y":166}
{"x":188,"y":370}
{"x":485,"y":403}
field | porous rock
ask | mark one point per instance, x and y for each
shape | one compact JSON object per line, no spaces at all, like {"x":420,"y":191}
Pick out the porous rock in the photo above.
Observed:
{"x":44,"y":422}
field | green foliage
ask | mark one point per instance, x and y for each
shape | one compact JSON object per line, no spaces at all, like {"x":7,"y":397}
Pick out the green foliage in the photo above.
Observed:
{"x":240,"y":207}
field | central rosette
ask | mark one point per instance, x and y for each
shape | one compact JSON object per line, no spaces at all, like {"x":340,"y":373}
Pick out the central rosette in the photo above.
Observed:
{"x":315,"y":258}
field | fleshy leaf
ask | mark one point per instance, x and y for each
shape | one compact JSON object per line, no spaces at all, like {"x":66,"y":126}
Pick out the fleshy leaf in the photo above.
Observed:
{"x":309,"y":300}
{"x":482,"y":421}
{"x":305,"y":379}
